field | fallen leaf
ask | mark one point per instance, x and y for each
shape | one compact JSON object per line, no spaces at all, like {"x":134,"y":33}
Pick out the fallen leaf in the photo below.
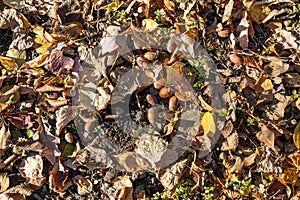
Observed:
{"x":243,"y":31}
{"x":124,"y":188}
{"x":31,"y":168}
{"x":48,"y":140}
{"x":296,"y":136}
{"x":59,"y":180}
{"x":4,"y":136}
{"x":59,"y":62}
{"x":288,"y":40}
{"x":4,"y":182}
{"x":64,"y":115}
{"x":10,"y":18}
{"x":131,"y":161}
{"x":208,"y":123}
{"x":231,"y":143}
{"x":267,"y":85}
{"x":21,"y":120}
{"x":149,"y":25}
{"x":14,"y":4}
{"x":227,"y":11}
{"x":266,"y":136}
{"x":112,"y":6}
{"x":151,"y":147}
{"x":84,"y":186}
{"x":169,"y":177}
{"x":23,"y":189}
{"x":259,"y":12}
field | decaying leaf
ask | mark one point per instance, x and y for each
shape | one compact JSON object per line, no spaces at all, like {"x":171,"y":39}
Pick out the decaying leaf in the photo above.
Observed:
{"x":231,"y":143}
{"x":21,"y":120}
{"x":266,"y":136}
{"x":31,"y":168}
{"x":124,"y":188}
{"x":4,"y":182}
{"x":208,"y":123}
{"x":227,"y":11}
{"x":150,"y":147}
{"x":84,"y":186}
{"x":4,"y":136}
{"x":23,"y":189}
{"x":132,"y":162}
{"x":64,"y":115}
{"x":59,"y":62}
{"x":170,"y":177}
{"x":59,"y":180}
{"x":9,"y":18}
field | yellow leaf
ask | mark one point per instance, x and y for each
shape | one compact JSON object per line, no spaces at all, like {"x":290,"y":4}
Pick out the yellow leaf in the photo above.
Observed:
{"x":25,"y":21}
{"x":259,"y":12}
{"x":208,"y":123}
{"x":149,"y":25}
{"x":296,"y":136}
{"x":8,"y":63}
{"x":112,"y":6}
{"x":267,"y":85}
{"x":19,"y":56}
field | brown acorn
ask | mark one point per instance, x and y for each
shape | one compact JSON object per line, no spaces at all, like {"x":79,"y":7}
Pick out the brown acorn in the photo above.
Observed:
{"x":224,"y":33}
{"x":165,"y":92}
{"x":159,"y":83}
{"x":173,"y":103}
{"x":151,"y":99}
{"x":235,"y":59}
{"x":152,"y":115}
{"x":69,"y":137}
{"x":150,"y":55}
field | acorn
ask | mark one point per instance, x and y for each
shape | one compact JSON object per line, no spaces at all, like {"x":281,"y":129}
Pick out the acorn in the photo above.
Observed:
{"x":173,"y":103}
{"x":159,"y":83}
{"x":152,"y":115}
{"x":235,"y":59}
{"x":165,"y":92}
{"x":151,"y":99}
{"x":69,"y":137}
{"x":150,"y":55}
{"x":224,"y":33}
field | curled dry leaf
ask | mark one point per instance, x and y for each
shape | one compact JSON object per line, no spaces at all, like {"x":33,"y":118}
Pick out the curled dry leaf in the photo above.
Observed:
{"x":266,"y":136}
{"x":8,"y":96}
{"x":21,"y":120}
{"x":84,"y":186}
{"x":59,"y":180}
{"x":124,"y":188}
{"x":9,"y":18}
{"x":4,"y":182}
{"x":227,"y":11}
{"x":4,"y":136}
{"x":23,"y":189}
{"x":169,"y":177}
{"x":31,"y":168}
{"x":231,"y":143}
{"x":59,"y":62}
{"x":64,"y":115}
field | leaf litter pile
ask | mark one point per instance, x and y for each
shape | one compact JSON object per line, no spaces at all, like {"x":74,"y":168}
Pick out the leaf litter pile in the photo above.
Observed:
{"x":150,"y":99}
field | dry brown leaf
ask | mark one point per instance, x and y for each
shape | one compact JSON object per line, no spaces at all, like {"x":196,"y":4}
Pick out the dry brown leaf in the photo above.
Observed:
{"x":298,"y":103}
{"x":266,"y":136}
{"x":9,"y":18}
{"x":267,"y":85}
{"x":59,"y":180}
{"x":84,"y":186}
{"x":149,"y":25}
{"x":238,"y":166}
{"x":131,"y":161}
{"x":21,"y":120}
{"x":49,"y":88}
{"x":259,"y":12}
{"x":59,"y":62}
{"x":4,"y":182}
{"x":31,"y":168}
{"x":69,"y":30}
{"x":249,"y":160}
{"x":64,"y":115}
{"x":292,"y":79}
{"x":288,"y":40}
{"x":169,"y":177}
{"x":48,"y":140}
{"x":242,"y":30}
{"x":231,"y":143}
{"x":4,"y":136}
{"x":124,"y":188}
{"x":23,"y":189}
{"x":227,"y":11}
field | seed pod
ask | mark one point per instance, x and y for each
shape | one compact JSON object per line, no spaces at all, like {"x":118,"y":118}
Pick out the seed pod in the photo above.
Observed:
{"x":150,"y":55}
{"x":173,"y":103}
{"x":69,"y":137}
{"x":159,"y":83}
{"x":235,"y":59}
{"x":224,"y":33}
{"x":152,"y":115}
{"x":165,"y":92}
{"x":151,"y":99}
